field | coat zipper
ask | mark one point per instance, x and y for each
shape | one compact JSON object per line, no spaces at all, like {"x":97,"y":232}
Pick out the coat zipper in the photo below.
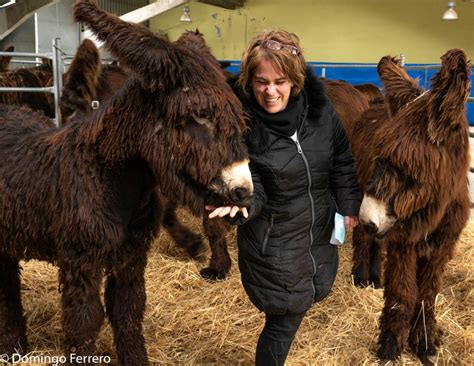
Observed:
{"x":308,"y":172}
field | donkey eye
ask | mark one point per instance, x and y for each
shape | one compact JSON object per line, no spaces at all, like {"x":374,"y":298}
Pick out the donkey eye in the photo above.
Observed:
{"x":200,"y":129}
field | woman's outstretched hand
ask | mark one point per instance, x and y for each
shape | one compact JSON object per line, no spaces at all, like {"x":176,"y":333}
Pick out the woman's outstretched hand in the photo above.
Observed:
{"x":226,"y":210}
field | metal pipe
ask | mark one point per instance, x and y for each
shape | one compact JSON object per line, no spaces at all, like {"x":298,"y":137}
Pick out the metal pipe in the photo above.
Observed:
{"x":57,"y":77}
{"x":26,"y":54}
{"x":49,"y":89}
{"x":15,"y":61}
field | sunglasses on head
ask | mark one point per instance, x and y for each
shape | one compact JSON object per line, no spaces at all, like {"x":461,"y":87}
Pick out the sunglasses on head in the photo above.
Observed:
{"x":277,"y":46}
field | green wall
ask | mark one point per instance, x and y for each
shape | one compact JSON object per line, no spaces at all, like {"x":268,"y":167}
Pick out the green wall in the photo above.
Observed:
{"x":333,"y":30}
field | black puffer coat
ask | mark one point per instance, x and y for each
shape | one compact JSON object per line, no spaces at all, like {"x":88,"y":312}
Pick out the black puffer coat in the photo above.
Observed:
{"x":285,"y":258}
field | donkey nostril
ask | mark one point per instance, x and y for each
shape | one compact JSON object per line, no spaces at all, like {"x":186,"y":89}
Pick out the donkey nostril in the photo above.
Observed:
{"x":370,"y":228}
{"x":240,"y":194}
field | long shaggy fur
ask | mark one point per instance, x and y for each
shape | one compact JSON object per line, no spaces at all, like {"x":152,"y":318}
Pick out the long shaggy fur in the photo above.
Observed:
{"x":412,"y":153}
{"x":84,"y":196}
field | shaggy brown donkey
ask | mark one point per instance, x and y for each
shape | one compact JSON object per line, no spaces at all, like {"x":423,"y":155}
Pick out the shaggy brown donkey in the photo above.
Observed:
{"x":83,"y":196}
{"x":412,"y":158}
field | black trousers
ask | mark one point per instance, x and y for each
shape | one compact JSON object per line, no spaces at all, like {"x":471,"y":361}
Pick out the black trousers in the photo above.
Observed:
{"x":276,"y":338}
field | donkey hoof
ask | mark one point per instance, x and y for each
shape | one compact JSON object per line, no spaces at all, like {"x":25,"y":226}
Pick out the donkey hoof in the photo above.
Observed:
{"x":427,"y":355}
{"x":427,"y":360}
{"x":360,"y":280}
{"x":389,"y":349}
{"x":375,"y":282}
{"x":426,"y":350}
{"x":212,"y":274}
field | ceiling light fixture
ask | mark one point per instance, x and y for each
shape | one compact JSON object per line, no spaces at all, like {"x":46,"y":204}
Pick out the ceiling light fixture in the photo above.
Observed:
{"x":450,"y":14}
{"x":186,"y":18}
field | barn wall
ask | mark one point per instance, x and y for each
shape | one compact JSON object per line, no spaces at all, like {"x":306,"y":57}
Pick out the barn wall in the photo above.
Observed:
{"x":56,"y":21}
{"x":334,"y":30}
{"x":23,"y":38}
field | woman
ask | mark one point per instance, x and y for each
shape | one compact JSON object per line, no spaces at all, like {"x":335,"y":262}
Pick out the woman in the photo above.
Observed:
{"x":303,"y":173}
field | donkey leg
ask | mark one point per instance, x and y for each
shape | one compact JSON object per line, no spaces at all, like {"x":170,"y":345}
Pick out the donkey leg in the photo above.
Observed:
{"x":181,"y":234}
{"x":83,"y":313}
{"x":400,"y":295}
{"x":423,"y":336}
{"x":219,"y":265}
{"x":125,"y":299}
{"x":375,"y":264}
{"x":12,"y":321}
{"x":365,"y":258}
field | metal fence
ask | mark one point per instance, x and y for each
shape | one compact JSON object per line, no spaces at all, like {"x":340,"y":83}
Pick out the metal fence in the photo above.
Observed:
{"x":55,"y":89}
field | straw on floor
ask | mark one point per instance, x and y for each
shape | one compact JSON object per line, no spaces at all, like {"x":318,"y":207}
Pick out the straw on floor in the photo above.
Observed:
{"x":190,"y":321}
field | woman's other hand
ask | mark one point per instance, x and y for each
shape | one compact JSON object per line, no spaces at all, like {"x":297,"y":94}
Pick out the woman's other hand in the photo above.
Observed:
{"x":351,"y":222}
{"x":226,"y":210}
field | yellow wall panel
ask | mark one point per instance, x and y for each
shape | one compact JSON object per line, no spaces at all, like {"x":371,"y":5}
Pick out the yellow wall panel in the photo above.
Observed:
{"x":334,"y":30}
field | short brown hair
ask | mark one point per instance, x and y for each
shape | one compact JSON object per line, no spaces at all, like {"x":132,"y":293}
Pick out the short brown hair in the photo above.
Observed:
{"x":292,"y":65}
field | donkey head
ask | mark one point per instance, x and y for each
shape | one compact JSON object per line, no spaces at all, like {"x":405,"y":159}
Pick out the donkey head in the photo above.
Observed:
{"x":193,"y":121}
{"x":420,"y":155}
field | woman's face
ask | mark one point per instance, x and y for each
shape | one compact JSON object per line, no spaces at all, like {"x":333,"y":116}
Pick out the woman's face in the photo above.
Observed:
{"x":271,"y":87}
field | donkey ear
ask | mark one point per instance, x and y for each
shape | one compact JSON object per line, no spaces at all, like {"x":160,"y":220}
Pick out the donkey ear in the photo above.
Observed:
{"x":152,"y":59}
{"x":5,"y":60}
{"x":449,"y":91}
{"x":82,"y":78}
{"x":399,"y":87}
